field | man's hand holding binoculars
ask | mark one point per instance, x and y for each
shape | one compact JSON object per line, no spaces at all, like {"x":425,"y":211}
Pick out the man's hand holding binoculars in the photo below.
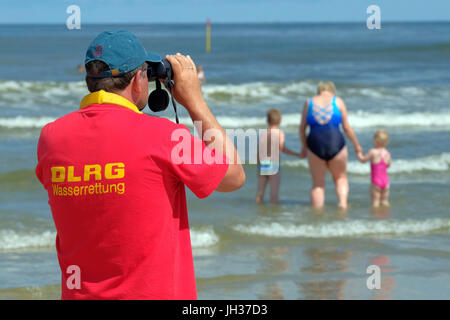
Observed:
{"x":186,"y":90}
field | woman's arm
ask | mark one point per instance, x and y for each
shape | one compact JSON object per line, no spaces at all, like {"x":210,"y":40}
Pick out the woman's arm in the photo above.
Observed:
{"x":366,"y":157}
{"x":302,"y":130}
{"x":346,"y":126}
{"x":283,"y":147}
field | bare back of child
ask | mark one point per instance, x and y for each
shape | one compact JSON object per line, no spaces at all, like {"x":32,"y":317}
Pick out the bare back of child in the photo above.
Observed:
{"x":271,"y":142}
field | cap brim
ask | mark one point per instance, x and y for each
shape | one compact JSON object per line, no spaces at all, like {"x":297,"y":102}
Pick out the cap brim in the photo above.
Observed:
{"x":153,"y":57}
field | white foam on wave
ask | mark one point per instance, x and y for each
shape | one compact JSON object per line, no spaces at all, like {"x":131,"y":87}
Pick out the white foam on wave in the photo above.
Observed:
{"x":33,"y":94}
{"x":64,"y":93}
{"x":413,"y":91}
{"x":362,"y":119}
{"x":203,"y":237}
{"x":305,"y":88}
{"x":367,"y":92}
{"x":10,"y":239}
{"x":358,"y":120}
{"x":232,"y":122}
{"x":258,"y":91}
{"x":431,"y":163}
{"x":352,"y":228}
{"x":42,"y":87}
{"x":25,"y":122}
{"x":253,"y":90}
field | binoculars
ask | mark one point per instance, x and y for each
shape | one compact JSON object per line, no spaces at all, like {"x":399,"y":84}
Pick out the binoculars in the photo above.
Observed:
{"x":158,"y":100}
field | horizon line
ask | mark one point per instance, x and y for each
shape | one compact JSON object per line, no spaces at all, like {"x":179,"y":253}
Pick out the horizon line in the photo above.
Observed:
{"x":227,"y":23}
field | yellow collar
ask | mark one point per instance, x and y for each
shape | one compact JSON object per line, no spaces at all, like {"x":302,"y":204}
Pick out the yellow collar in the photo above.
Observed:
{"x":103,"y":97}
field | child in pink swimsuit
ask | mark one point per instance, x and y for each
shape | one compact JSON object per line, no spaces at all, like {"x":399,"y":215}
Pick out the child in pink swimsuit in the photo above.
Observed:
{"x":380,"y":160}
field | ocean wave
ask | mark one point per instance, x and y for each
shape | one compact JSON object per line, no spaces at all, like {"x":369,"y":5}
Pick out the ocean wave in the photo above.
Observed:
{"x":203,"y":237}
{"x":439,"y":162}
{"x":10,"y":239}
{"x":358,"y":120}
{"x":433,"y":163}
{"x":25,"y":122}
{"x":46,"y":88}
{"x":30,"y":94}
{"x":441,"y":48}
{"x":361,"y":119}
{"x":353,"y":228}
{"x":35,"y":94}
{"x":259,"y":91}
{"x":68,"y":93}
{"x":300,"y":89}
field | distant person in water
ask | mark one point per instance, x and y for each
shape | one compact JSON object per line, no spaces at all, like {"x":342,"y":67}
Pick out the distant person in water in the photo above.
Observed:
{"x":271,"y":142}
{"x":380,"y":160}
{"x":201,"y":74}
{"x":80,"y":68}
{"x":325,"y":145}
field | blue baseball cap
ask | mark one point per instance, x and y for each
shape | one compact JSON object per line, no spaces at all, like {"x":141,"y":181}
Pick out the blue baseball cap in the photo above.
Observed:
{"x":120,"y":50}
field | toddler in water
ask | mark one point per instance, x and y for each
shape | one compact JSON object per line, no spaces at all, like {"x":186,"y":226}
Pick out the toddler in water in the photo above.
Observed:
{"x":268,"y":161}
{"x":380,"y":160}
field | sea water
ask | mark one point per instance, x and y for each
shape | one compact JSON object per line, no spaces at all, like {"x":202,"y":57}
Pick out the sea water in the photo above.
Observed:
{"x":396,"y":78}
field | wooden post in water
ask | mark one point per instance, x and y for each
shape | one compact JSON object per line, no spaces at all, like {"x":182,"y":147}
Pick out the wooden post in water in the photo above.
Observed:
{"x":208,"y":35}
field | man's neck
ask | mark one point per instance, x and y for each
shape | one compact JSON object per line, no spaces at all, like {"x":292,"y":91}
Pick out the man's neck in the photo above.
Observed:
{"x":127,"y":94}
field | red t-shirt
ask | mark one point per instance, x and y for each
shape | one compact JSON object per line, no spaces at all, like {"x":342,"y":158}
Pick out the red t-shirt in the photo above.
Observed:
{"x":118,"y":200}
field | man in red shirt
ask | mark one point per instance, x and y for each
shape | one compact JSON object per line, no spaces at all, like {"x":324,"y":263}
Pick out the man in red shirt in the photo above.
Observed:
{"x":116,"y":186}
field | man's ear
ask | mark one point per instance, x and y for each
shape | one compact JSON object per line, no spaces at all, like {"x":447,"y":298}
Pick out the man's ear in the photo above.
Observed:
{"x":136,"y":82}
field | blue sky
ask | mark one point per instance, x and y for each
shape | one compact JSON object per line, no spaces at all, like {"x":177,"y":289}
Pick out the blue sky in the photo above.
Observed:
{"x":169,"y":11}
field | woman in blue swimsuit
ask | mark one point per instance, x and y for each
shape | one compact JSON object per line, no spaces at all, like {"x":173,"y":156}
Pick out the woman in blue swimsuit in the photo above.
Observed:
{"x":325,"y":144}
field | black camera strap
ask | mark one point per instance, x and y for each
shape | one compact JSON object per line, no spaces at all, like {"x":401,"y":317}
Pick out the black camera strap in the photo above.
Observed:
{"x":175,"y":109}
{"x":169,"y":85}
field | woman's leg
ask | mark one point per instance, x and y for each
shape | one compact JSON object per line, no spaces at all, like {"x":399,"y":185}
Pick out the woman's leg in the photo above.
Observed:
{"x":338,"y":169}
{"x":274,"y":182}
{"x":262,"y":183}
{"x":318,"y":168}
